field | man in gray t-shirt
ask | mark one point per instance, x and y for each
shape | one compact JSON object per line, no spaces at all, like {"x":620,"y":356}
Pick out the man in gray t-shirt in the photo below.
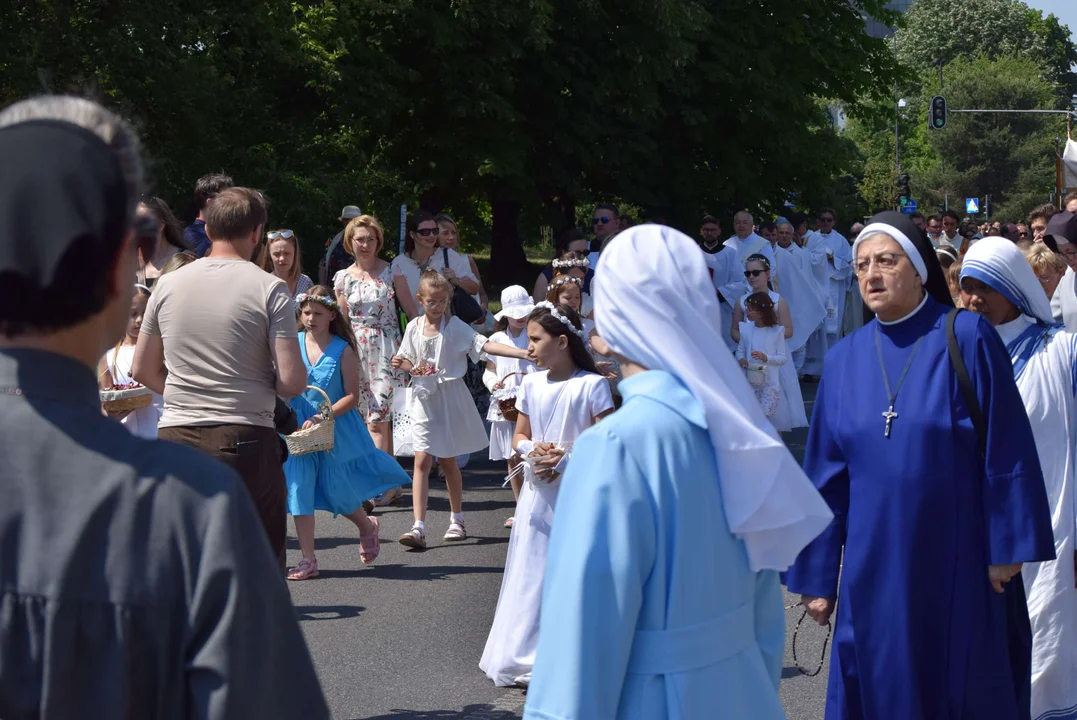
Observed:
{"x":219,"y":341}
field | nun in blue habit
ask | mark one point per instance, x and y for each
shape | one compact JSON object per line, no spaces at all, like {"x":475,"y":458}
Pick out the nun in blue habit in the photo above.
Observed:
{"x":661,"y":596}
{"x":930,"y":529}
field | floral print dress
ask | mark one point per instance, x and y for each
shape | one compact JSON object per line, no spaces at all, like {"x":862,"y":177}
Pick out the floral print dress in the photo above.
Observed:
{"x":372,"y":311}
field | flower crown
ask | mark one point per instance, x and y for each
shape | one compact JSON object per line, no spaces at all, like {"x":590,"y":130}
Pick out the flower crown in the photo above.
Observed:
{"x":557,"y":314}
{"x":326,"y":301}
{"x":580,"y":263}
{"x":560,"y":281}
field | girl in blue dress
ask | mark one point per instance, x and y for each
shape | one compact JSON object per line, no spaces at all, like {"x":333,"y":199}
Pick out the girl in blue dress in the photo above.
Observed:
{"x":338,"y":480}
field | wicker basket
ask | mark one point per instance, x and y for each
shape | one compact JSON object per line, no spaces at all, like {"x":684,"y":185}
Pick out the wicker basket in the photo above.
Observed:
{"x":318,"y":438}
{"x":507,"y":406}
{"x":128,"y":404}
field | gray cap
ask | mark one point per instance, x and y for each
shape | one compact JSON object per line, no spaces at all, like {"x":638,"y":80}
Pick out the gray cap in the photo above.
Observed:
{"x":349,"y":212}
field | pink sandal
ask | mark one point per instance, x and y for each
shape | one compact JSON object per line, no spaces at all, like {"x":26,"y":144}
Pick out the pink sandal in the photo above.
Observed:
{"x":370,"y":544}
{"x":305,"y":570}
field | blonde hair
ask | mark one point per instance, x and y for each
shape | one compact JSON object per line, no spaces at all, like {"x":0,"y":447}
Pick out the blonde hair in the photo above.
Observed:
{"x":433,"y":281}
{"x":180,"y":259}
{"x":267,"y":257}
{"x":1043,"y":259}
{"x":363,"y":221}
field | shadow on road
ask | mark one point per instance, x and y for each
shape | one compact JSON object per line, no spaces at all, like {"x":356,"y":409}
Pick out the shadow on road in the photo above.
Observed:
{"x":413,"y":572}
{"x":471,"y":712}
{"x":327,"y":612}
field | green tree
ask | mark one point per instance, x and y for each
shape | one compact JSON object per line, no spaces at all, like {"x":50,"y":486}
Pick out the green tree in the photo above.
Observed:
{"x":1007,"y":156}
{"x":949,"y":29}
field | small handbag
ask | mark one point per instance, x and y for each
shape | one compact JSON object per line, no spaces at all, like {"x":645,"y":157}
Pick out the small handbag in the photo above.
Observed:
{"x":463,"y":305}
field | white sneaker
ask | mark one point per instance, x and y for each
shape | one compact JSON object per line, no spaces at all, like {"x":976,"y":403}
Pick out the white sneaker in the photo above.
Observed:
{"x":523,"y":681}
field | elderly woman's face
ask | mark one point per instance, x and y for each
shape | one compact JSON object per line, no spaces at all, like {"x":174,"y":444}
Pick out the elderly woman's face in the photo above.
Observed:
{"x":447,"y":237}
{"x":888,"y":280}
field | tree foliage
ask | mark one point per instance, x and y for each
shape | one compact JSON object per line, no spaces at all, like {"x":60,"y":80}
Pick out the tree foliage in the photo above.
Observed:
{"x":950,"y":29}
{"x":998,"y":54}
{"x":517,"y":110}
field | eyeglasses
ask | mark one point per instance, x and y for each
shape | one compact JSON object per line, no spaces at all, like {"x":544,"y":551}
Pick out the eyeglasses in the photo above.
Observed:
{"x":1023,"y":235}
{"x":286,"y":234}
{"x":886,"y":262}
{"x":602,"y":220}
{"x":753,"y":273}
{"x":427,"y":232}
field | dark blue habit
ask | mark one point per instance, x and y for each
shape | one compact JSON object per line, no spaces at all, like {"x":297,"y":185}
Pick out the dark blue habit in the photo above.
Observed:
{"x":920,"y":633}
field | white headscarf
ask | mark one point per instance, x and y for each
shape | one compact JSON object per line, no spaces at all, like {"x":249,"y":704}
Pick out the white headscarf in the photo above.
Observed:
{"x":655,"y":305}
{"x":1000,"y":265}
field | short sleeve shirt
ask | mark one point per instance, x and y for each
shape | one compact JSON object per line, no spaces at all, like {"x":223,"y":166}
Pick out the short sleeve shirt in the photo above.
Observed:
{"x":218,"y":319}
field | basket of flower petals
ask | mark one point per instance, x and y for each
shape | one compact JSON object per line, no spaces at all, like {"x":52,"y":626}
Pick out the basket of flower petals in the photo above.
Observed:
{"x":125,"y":398}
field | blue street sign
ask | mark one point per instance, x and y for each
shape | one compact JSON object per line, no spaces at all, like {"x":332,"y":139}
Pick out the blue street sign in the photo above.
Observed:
{"x":909,"y":208}
{"x":972,"y":206}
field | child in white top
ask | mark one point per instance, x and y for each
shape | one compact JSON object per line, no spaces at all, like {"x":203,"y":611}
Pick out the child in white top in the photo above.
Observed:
{"x":115,"y":369}
{"x":503,"y":377}
{"x":761,"y":350}
{"x":445,"y":423}
{"x":556,"y":405}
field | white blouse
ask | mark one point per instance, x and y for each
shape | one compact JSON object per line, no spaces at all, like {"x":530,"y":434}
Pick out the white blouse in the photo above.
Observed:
{"x":447,"y":351}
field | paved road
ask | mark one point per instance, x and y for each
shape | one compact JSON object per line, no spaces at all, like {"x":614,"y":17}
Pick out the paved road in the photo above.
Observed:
{"x":402,"y":638}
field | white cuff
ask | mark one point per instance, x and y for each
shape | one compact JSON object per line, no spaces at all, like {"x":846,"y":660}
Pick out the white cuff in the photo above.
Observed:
{"x":524,"y":447}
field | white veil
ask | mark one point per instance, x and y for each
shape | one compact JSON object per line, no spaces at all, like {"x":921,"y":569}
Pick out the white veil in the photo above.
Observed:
{"x":655,"y":305}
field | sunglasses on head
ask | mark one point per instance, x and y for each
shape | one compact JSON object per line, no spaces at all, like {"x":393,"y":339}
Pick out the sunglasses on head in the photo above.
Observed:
{"x":602,"y":220}
{"x":753,"y":273}
{"x":286,"y":234}
{"x":427,"y":232}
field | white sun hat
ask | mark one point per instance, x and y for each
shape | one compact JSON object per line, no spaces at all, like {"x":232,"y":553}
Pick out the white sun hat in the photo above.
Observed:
{"x":515,"y":303}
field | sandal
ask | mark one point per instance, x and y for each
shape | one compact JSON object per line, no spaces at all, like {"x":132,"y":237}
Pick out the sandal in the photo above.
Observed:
{"x":414,"y":538}
{"x":370,"y":544}
{"x":390,"y":498}
{"x":305,"y":570}
{"x":455,"y":533}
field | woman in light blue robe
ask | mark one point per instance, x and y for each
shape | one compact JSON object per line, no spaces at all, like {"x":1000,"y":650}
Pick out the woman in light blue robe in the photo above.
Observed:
{"x":661,"y":596}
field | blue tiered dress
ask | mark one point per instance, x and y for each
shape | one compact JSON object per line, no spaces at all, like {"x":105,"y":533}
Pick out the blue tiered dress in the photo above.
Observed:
{"x":340,"y":479}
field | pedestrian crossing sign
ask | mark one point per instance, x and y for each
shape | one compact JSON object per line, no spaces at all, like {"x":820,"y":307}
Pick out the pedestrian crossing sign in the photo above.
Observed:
{"x":972,"y":206}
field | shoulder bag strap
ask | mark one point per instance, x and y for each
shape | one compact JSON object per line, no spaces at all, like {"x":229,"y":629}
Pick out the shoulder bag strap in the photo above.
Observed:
{"x":965,"y":382}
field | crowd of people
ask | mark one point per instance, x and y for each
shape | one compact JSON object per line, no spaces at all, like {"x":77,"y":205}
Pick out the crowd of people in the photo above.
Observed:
{"x":658,"y":512}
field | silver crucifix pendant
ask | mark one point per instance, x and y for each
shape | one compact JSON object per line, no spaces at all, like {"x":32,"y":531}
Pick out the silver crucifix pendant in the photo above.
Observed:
{"x":890,"y":415}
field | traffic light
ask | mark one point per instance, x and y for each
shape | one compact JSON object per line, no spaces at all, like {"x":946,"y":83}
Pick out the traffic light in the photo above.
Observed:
{"x":903,"y":189}
{"x":937,"y":115}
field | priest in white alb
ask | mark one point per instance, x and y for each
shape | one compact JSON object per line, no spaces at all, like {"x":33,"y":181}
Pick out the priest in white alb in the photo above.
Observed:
{"x":997,"y":282}
{"x":840,"y":267}
{"x":811,"y":362}
{"x":745,"y":242}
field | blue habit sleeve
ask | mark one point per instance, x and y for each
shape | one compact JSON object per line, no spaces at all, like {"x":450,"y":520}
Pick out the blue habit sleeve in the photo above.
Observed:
{"x":601,"y":552}
{"x":816,"y":569}
{"x":1017,"y":515}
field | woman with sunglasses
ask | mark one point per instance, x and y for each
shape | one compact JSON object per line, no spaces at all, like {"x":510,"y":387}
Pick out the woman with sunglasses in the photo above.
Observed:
{"x":421,"y":252}
{"x":156,"y":249}
{"x":282,"y":259}
{"x":790,"y":413}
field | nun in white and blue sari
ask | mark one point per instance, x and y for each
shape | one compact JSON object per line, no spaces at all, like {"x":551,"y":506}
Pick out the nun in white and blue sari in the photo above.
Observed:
{"x":1045,"y":365}
{"x":661,"y":595}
